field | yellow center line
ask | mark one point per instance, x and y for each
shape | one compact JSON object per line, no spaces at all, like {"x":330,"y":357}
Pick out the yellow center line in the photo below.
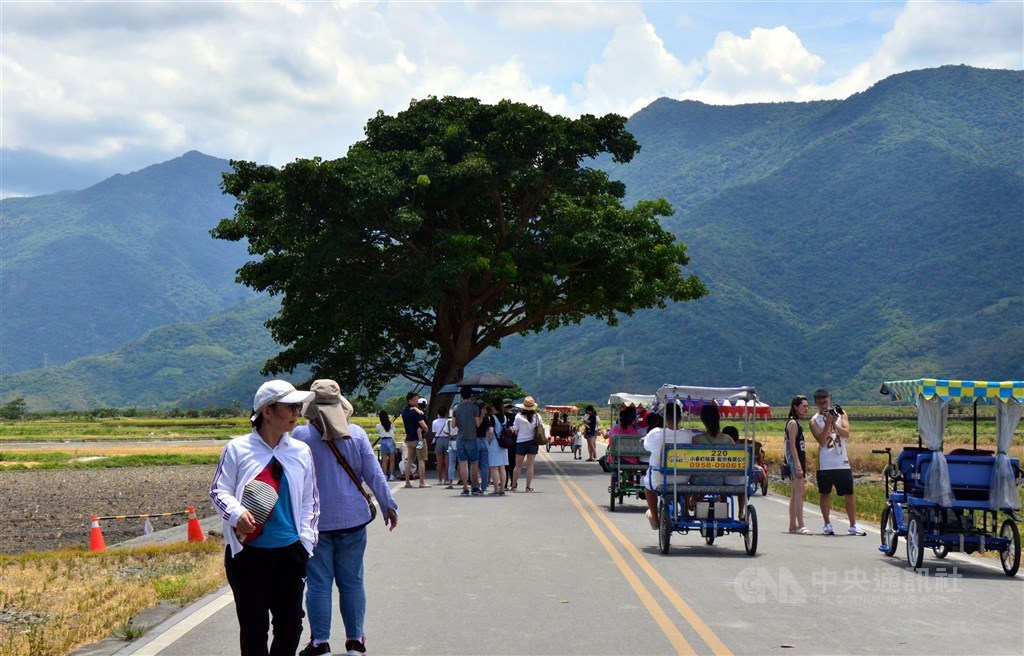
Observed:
{"x":703,"y":630}
{"x":673,"y":634}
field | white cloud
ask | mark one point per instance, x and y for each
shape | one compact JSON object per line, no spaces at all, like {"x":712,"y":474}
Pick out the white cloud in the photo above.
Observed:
{"x":771,"y":65}
{"x":635,"y":69}
{"x":927,"y":35}
{"x":564,"y":15}
{"x":134,"y":82}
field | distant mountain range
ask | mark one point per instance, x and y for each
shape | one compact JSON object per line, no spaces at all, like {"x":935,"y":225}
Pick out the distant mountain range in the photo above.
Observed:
{"x":85,"y":271}
{"x":843,"y":242}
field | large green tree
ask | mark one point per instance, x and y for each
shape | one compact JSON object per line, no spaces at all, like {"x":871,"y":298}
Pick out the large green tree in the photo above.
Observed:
{"x":449,"y":227}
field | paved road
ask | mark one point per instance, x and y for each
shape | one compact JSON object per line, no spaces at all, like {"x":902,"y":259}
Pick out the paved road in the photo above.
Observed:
{"x":554,"y":572}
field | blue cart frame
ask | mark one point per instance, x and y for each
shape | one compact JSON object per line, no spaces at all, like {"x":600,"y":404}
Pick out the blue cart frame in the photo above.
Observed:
{"x":965,"y":518}
{"x":690,"y":470}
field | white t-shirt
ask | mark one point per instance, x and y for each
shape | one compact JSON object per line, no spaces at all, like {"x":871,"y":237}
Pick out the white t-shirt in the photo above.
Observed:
{"x":832,"y":454}
{"x":385,"y":433}
{"x":523,"y":427}
{"x":655,"y":440}
{"x":438,"y":427}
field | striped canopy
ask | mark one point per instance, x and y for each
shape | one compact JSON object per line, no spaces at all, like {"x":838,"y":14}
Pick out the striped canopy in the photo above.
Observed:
{"x":954,"y":390}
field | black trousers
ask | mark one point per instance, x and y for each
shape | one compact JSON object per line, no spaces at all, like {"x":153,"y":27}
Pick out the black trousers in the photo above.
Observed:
{"x":265,"y":580}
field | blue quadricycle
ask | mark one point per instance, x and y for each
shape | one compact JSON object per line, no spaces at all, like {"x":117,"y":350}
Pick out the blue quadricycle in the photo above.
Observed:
{"x":951,"y":502}
{"x":706,"y":488}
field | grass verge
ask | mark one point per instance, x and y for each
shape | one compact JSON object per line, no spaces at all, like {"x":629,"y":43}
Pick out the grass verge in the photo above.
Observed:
{"x":53,"y":602}
{"x":20,"y":460}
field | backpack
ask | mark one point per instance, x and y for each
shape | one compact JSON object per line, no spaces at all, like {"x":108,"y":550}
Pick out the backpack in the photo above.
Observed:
{"x":506,"y":438}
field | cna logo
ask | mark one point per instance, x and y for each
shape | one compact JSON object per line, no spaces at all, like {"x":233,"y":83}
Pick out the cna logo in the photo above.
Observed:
{"x":756,"y":585}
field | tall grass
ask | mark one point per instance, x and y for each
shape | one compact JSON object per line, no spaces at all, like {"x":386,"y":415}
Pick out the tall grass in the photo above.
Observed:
{"x":54,"y":602}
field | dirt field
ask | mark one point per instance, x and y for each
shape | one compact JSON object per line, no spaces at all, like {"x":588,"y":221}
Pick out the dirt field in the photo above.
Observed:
{"x":52,"y":509}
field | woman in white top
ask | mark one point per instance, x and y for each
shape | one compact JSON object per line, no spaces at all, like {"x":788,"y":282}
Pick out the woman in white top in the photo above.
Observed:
{"x":386,"y":439}
{"x":526,"y":450}
{"x":442,"y":430}
{"x":654,"y":442}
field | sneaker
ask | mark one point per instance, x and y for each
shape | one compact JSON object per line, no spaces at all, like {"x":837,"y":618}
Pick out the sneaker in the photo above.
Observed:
{"x":465,"y":492}
{"x":310,"y":650}
{"x":828,"y":530}
{"x":477,"y":492}
{"x":856,"y":530}
{"x":355,"y":647}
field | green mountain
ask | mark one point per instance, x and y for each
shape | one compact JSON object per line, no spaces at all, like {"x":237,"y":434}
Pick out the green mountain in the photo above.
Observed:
{"x":85,"y":271}
{"x":843,"y":242}
{"x":215,"y":361}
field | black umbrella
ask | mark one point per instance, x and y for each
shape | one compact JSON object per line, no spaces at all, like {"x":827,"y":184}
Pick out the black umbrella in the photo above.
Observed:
{"x":486,"y":380}
{"x":455,"y":388}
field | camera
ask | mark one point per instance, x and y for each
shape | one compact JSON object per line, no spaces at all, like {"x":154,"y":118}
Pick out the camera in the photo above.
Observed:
{"x":836,"y":410}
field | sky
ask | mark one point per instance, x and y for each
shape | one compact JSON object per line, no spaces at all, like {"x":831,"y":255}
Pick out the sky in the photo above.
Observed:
{"x":90,"y":89}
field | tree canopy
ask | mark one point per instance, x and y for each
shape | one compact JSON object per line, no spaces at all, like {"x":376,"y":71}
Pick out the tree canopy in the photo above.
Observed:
{"x":452,"y":225}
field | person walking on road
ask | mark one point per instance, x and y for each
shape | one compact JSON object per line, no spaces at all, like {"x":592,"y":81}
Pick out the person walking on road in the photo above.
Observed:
{"x":831,"y":428}
{"x":344,"y":460}
{"x":526,"y":448}
{"x":441,"y":427}
{"x":415,"y":439}
{"x":264,"y":490}
{"x":796,"y":460}
{"x":590,"y":424}
{"x":466,"y":419}
{"x":386,"y":438}
{"x":483,"y":464}
{"x":497,"y":457}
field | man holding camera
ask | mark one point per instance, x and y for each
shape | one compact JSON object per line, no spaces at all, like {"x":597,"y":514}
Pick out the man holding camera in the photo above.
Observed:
{"x":831,"y":428}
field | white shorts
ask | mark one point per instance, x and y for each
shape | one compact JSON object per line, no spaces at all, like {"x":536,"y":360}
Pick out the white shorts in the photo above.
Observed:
{"x":654,"y":480}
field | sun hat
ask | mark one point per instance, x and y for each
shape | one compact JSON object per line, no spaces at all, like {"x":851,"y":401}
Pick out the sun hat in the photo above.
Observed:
{"x":277,"y":391}
{"x":527,"y":404}
{"x":330,"y":409}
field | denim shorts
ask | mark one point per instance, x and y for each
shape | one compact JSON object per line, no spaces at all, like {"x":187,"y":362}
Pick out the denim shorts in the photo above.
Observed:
{"x":387,"y":446}
{"x":468,"y":450}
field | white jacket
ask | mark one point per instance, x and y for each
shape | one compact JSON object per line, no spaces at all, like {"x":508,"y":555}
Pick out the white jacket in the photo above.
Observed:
{"x":242,"y":460}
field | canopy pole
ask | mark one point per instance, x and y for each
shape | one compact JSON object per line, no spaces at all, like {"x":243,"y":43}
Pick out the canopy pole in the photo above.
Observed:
{"x":975,"y":424}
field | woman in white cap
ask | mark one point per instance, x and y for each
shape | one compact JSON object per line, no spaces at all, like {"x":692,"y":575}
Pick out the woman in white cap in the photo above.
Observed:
{"x":526,"y":449}
{"x":265,"y":492}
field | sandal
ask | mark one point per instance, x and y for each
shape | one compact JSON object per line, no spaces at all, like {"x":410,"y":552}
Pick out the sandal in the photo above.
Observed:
{"x":803,"y":530}
{"x":529,"y":489}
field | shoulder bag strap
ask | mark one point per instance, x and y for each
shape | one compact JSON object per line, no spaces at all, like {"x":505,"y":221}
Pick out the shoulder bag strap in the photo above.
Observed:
{"x":344,"y":465}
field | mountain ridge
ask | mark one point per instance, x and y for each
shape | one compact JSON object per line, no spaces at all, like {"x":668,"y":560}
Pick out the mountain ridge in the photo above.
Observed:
{"x":843,"y":242}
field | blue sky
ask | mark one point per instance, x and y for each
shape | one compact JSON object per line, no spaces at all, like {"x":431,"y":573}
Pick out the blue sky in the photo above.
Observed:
{"x":92,"y":89}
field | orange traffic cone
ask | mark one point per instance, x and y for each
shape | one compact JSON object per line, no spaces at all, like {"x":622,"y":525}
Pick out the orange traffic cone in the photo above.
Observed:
{"x":195,"y":531}
{"x":96,"y":542}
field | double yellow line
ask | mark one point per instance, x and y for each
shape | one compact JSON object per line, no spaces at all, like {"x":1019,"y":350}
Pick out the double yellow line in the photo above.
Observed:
{"x":594,"y":516}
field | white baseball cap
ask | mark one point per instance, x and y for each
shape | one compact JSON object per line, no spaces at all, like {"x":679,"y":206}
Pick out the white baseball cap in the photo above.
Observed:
{"x":277,"y":391}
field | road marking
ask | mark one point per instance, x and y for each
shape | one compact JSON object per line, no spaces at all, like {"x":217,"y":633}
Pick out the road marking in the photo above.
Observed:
{"x":178,"y":630}
{"x":703,"y":630}
{"x":668,"y":628}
